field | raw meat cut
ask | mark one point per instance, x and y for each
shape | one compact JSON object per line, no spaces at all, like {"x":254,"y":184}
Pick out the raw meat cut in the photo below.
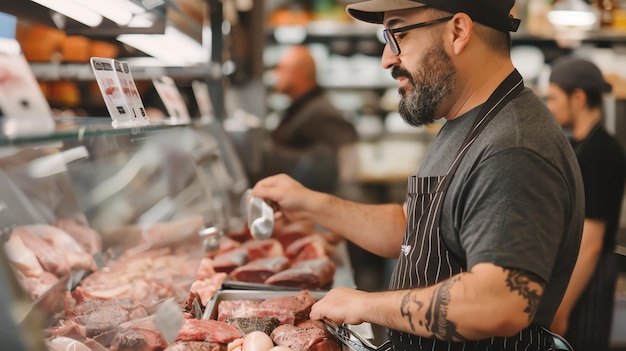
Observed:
{"x":247,"y":325}
{"x":209,"y":330}
{"x":307,"y":248}
{"x":258,"y":249}
{"x":141,"y":335}
{"x":290,"y":309}
{"x":310,"y":274}
{"x":228,"y":309}
{"x":51,"y":260}
{"x":230,"y":260}
{"x":22,"y":258}
{"x":63,"y":242}
{"x":258,"y":271}
{"x":306,"y":336}
{"x":88,"y":238}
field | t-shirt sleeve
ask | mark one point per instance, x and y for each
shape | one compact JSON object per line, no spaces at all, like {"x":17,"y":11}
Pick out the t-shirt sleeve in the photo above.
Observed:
{"x":514,"y":214}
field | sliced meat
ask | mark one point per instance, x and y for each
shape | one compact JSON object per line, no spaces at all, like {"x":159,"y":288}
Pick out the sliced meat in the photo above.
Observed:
{"x":307,"y":248}
{"x":230,"y":260}
{"x":140,"y":334}
{"x":290,"y":309}
{"x":22,"y":258}
{"x":258,"y":249}
{"x":74,"y":253}
{"x":208,"y":330}
{"x":310,"y":274}
{"x":303,"y":337}
{"x":37,"y":286}
{"x":88,"y":238}
{"x":229,"y":309}
{"x":51,"y":260}
{"x":258,"y":271}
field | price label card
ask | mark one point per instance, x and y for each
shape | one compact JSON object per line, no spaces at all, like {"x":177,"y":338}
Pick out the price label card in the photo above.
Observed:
{"x":23,"y":107}
{"x":133,"y":93}
{"x":117,"y":88}
{"x":203,"y":99}
{"x":172,"y":99}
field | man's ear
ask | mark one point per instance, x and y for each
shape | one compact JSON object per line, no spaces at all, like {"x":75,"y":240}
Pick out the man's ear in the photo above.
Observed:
{"x":578,"y":98}
{"x":462,"y":28}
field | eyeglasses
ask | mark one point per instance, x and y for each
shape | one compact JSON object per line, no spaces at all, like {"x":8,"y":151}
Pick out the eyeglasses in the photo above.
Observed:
{"x":390,"y":34}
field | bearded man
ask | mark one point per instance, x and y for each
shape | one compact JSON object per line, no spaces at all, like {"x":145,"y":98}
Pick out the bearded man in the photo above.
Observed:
{"x":493,"y":219}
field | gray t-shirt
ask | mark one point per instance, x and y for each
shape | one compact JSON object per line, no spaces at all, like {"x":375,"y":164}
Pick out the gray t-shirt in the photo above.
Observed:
{"x":516,"y":199}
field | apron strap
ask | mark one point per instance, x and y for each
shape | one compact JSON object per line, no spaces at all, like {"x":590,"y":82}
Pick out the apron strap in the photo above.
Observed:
{"x":505,"y":92}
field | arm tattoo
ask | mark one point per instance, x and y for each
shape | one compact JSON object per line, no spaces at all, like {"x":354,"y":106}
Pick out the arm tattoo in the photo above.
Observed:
{"x":408,"y":302}
{"x":528,"y":286}
{"x":435,"y":319}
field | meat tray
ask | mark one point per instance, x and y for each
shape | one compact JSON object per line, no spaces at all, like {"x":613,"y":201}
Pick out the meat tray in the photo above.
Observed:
{"x":211,"y":308}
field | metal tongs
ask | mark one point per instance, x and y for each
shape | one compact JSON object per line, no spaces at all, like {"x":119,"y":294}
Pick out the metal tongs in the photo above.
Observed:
{"x":352,"y":339}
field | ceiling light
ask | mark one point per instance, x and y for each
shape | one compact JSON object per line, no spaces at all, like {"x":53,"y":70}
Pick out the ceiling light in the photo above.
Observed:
{"x":173,"y":47}
{"x":118,"y":11}
{"x":73,"y":10}
{"x":572,"y":14}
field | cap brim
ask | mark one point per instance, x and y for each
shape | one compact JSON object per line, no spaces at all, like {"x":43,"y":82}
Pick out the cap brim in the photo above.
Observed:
{"x":372,"y":11}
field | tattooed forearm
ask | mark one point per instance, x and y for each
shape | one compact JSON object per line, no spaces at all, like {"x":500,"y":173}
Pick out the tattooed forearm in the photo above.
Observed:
{"x":528,"y":286}
{"x":437,"y":321}
{"x":410,"y":302}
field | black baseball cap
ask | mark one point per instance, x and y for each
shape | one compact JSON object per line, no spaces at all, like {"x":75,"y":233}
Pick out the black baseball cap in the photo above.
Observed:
{"x":492,"y":13}
{"x":570,"y":73}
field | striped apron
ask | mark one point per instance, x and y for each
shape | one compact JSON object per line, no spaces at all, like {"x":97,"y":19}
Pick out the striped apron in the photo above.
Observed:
{"x":425,"y":260}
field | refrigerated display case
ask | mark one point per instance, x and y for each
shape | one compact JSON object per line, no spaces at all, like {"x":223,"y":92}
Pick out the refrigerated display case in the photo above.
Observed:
{"x":102,"y":227}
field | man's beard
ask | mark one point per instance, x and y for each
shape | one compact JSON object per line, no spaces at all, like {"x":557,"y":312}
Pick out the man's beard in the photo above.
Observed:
{"x":431,"y":84}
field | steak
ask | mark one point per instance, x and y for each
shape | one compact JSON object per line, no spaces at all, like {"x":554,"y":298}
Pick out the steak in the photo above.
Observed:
{"x":208,"y":330}
{"x":304,"y":337}
{"x":247,"y":325}
{"x":258,"y":271}
{"x":309,"y":274}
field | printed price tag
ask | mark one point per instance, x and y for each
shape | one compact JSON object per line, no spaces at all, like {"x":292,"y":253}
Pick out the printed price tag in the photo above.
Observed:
{"x":23,"y":106}
{"x":173,"y":101}
{"x":117,"y":91}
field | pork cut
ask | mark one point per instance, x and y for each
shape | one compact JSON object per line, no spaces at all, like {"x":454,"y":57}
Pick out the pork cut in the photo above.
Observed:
{"x":88,"y":238}
{"x":309,"y":274}
{"x":229,"y":309}
{"x":258,"y":249}
{"x":208,"y":330}
{"x":140,"y":335}
{"x":307,"y":248}
{"x":228,"y":261}
{"x":258,"y":271}
{"x":51,"y":260}
{"x":290,"y":309}
{"x":306,"y":336}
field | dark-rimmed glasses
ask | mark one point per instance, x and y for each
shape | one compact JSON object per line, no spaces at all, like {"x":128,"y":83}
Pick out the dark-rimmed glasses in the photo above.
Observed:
{"x":390,"y":34}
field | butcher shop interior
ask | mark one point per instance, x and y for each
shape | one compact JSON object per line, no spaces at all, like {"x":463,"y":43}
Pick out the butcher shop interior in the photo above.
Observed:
{"x":133,"y":130}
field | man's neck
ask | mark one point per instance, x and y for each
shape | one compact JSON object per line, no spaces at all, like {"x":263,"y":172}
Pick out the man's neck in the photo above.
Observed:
{"x":478,"y":87}
{"x":585,"y":120}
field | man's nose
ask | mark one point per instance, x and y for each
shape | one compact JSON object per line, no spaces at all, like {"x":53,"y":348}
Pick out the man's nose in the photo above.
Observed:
{"x":388,"y":59}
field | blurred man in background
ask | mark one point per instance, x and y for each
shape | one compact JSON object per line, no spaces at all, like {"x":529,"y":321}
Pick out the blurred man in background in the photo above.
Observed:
{"x":313,"y":136}
{"x":575,"y":97}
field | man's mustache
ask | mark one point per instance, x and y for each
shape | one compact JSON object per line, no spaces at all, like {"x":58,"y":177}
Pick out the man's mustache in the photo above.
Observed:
{"x":397,"y":72}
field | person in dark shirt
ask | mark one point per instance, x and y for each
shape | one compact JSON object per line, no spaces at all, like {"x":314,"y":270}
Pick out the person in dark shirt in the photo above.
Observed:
{"x":313,"y":134}
{"x":575,"y":97}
